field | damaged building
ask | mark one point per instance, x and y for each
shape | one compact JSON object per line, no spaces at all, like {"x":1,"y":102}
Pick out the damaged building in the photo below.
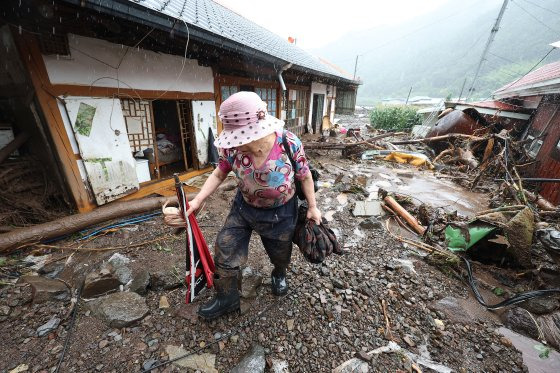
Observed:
{"x":110,"y":99}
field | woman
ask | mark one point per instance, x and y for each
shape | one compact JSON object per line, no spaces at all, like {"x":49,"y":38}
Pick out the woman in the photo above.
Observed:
{"x":251,"y":145}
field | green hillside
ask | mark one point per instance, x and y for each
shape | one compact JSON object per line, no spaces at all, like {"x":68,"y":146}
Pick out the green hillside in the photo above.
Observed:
{"x":434,"y":53}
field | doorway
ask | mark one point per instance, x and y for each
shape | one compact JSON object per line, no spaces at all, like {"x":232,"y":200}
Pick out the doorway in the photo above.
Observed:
{"x":317,"y":111}
{"x":173,"y":150}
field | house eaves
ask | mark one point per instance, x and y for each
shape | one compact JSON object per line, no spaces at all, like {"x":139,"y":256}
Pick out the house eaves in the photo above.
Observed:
{"x":213,"y":24}
{"x":540,"y":88}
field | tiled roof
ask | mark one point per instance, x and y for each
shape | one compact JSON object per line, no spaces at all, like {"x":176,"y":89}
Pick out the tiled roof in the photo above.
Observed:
{"x":548,"y":72}
{"x":217,"y":19}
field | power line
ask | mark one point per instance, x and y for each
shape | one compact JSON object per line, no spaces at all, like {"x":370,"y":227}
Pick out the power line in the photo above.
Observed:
{"x":535,"y":18}
{"x":502,"y":58}
{"x":487,"y":46}
{"x":542,"y":7}
{"x":524,"y":75}
{"x":462,"y":12}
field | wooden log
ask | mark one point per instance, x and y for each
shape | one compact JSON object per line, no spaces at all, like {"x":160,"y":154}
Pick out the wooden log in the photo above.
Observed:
{"x":13,"y":146}
{"x":23,"y":237}
{"x":399,"y":210}
{"x":439,"y":138}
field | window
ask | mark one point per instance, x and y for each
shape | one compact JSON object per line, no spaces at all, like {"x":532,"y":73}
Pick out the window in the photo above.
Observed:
{"x":345,"y":101}
{"x":535,"y":148}
{"x":228,"y":90}
{"x":54,"y":44}
{"x":268,"y":95}
{"x":297,"y":110}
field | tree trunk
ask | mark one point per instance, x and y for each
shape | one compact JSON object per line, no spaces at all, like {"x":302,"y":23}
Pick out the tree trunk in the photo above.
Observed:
{"x":22,"y":237}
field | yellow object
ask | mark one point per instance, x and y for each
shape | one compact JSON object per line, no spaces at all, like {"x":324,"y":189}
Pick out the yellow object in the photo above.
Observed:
{"x":413,"y":159}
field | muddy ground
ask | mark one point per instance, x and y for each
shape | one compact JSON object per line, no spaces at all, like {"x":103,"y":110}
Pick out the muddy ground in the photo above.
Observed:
{"x":332,"y":311}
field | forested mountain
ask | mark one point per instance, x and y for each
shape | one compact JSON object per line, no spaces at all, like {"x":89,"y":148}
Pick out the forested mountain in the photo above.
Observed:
{"x":434,"y":53}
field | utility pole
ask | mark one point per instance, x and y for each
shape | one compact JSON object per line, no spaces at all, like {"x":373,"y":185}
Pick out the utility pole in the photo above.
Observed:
{"x":462,"y":87}
{"x":407,"y":97}
{"x":356,"y":66}
{"x":487,"y":47}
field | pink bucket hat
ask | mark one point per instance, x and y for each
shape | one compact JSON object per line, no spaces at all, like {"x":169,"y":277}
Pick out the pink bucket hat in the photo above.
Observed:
{"x":245,"y":119}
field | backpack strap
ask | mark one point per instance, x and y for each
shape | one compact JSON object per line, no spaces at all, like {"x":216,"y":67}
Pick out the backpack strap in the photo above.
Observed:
{"x":288,"y":151}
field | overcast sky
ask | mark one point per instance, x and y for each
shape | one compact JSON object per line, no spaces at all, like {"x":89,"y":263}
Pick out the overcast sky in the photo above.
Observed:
{"x":315,"y":23}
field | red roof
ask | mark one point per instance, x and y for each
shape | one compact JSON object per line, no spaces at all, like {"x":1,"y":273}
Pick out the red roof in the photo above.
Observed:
{"x":547,"y":72}
{"x":496,"y":105}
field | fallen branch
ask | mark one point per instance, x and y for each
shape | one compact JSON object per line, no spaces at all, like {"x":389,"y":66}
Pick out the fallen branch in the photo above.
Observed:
{"x":399,"y":210}
{"x":388,"y":333}
{"x":121,"y":247}
{"x":439,"y":138}
{"x":23,"y":237}
{"x":501,"y":209}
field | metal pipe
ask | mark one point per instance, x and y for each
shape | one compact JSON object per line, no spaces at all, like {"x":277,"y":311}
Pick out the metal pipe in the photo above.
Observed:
{"x":280,"y":78}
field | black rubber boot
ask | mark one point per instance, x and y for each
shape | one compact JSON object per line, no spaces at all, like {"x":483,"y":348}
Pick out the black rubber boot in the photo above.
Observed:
{"x":279,"y":281}
{"x":226,"y":299}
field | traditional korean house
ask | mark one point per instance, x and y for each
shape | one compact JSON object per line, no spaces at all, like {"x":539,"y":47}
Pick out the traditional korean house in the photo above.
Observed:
{"x":113,"y":97}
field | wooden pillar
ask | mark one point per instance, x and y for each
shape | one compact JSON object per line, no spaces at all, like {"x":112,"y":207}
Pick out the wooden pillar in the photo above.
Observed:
{"x":33,"y":60}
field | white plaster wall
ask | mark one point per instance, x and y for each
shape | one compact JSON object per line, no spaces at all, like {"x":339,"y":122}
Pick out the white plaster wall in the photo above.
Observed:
{"x":94,"y":62}
{"x":204,"y":116}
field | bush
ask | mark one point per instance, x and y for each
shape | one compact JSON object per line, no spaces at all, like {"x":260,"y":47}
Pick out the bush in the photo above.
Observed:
{"x":394,"y":117}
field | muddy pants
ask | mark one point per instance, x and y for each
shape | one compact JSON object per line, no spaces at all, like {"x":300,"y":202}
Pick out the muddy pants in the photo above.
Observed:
{"x":275,"y":226}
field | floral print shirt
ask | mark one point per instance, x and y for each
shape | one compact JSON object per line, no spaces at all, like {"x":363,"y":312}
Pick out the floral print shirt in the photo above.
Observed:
{"x":271,"y":184}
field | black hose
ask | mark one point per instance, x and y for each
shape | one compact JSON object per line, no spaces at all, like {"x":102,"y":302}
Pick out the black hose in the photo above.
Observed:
{"x":70,"y":328}
{"x":508,"y":302}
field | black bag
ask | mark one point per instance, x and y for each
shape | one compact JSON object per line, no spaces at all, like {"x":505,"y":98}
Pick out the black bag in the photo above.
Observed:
{"x":315,"y":242}
{"x":314,"y":173}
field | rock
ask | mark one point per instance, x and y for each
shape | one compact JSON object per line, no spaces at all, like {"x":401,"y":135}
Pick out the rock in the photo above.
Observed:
{"x":52,"y":270}
{"x":45,"y":289}
{"x":363,"y":355}
{"x":439,"y":324}
{"x":338,"y":283}
{"x":202,"y":362}
{"x":118,"y":260}
{"x":409,"y":341}
{"x":404,"y":265}
{"x":290,"y":324}
{"x":279,"y":366}
{"x":20,"y":368}
{"x":51,"y":325}
{"x":4,"y":310}
{"x":367,"y":208}
{"x":140,"y":282}
{"x":371,"y":223}
{"x":187,"y":312}
{"x":164,"y":280}
{"x":519,"y":320}
{"x":253,"y":362}
{"x":163,"y":302}
{"x":119,"y":310}
{"x":100,"y":282}
{"x":453,"y":310}
{"x":103,"y":343}
{"x":519,"y":233}
{"x":541,"y":305}
{"x":149,"y":364}
{"x":249,"y":286}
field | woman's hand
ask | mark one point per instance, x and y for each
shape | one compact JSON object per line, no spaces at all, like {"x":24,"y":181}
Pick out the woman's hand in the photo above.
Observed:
{"x":194,"y":205}
{"x":314,"y":214}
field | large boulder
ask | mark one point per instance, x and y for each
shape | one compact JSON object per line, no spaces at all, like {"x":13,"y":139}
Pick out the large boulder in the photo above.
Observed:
{"x":119,"y":310}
